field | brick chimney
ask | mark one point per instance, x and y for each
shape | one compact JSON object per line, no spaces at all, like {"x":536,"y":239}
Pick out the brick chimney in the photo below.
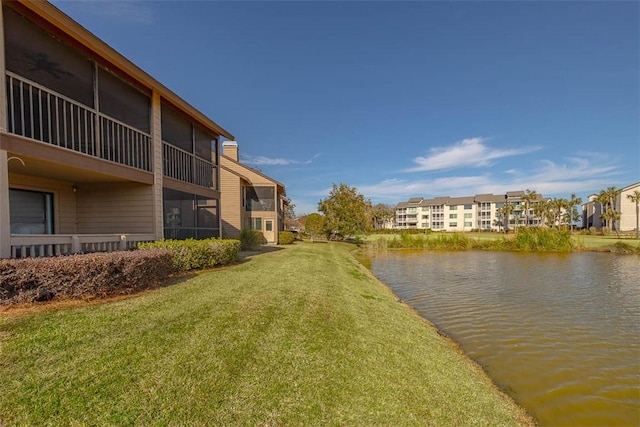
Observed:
{"x":230,"y":149}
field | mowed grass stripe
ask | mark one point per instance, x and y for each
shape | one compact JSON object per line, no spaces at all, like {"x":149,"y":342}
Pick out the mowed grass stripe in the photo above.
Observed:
{"x":298,"y":336}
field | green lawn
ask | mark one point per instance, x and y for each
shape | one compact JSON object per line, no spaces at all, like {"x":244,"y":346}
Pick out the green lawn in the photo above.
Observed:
{"x":298,"y":336}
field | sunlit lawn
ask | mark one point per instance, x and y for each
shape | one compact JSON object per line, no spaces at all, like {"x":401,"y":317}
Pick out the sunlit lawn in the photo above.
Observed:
{"x":298,"y":336}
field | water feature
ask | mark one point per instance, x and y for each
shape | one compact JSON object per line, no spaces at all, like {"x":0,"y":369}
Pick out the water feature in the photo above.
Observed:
{"x":560,"y":333}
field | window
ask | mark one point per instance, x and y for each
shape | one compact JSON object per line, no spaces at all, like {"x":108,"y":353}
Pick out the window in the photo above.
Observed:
{"x":260,"y":199}
{"x":425,"y":225}
{"x":413,"y":210}
{"x":467,"y":207}
{"x":468,"y":224}
{"x":425,"y":209}
{"x":453,"y":216}
{"x":256,"y":224}
{"x":268,"y":225}
{"x":499,"y":205}
{"x":123,"y":102}
{"x":425,"y":216}
{"x":30,"y":212}
{"x":453,"y":224}
{"x":187,"y":215}
{"x":176,"y":128}
{"x":468,"y":215}
{"x":38,"y":56}
{"x":453,"y":208}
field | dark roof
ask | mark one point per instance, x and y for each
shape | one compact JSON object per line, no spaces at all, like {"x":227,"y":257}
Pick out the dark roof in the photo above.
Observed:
{"x":437,"y":201}
{"x":415,"y":200}
{"x":515,"y":194}
{"x":467,"y":200}
{"x":489,"y":198}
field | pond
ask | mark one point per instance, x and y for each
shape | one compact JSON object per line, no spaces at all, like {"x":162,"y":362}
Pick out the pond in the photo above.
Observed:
{"x":560,"y":333}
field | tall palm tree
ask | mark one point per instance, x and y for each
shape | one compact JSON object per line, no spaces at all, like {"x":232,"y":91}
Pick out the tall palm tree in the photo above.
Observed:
{"x":557,"y":206}
{"x":572,"y":212}
{"x":505,"y":211}
{"x":529,"y":197}
{"x":611,"y":195}
{"x":635,"y":198}
{"x":542,"y":211}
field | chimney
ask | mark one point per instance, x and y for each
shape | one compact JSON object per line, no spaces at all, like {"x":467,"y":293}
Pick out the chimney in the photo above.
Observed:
{"x":230,"y":149}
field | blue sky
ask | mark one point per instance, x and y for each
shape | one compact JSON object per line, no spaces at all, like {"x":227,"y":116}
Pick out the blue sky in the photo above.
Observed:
{"x":401,"y":99}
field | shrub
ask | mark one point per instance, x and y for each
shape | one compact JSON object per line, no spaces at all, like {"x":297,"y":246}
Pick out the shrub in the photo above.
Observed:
{"x":191,"y":254}
{"x":543,"y":239}
{"x":285,"y":238}
{"x":82,"y":276}
{"x":251,"y":239}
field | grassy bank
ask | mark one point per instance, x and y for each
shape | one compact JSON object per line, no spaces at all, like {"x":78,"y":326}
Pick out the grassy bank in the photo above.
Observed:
{"x":525,"y":239}
{"x":298,"y":336}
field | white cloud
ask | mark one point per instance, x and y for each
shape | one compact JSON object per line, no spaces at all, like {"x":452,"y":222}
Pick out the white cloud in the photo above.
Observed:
{"x":583,"y":174}
{"x":471,"y":152}
{"x":271,"y":161}
{"x":266,"y":161}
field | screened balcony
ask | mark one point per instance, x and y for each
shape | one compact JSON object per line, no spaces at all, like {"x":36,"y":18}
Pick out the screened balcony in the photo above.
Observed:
{"x":39,"y":113}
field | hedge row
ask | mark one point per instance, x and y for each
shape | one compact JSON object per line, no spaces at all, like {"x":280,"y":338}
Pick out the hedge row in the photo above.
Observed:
{"x":82,"y":276}
{"x":193,"y":254}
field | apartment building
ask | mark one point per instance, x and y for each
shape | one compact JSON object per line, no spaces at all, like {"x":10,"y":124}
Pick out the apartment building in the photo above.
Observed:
{"x":592,"y":210}
{"x":479,"y":212}
{"x":250,"y":199}
{"x":95,"y":154}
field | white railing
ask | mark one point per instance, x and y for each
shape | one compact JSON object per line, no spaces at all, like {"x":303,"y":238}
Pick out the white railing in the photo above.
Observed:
{"x":40,"y":245}
{"x":184,"y":166}
{"x":123,"y":144}
{"x":39,"y":113}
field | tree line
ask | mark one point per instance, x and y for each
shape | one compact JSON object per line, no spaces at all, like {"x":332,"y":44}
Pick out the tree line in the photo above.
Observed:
{"x":346,"y":212}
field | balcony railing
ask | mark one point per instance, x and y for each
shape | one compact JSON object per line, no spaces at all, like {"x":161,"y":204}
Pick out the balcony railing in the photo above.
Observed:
{"x":44,"y":115}
{"x":40,"y":245}
{"x":184,"y":166}
{"x":36,"y":112}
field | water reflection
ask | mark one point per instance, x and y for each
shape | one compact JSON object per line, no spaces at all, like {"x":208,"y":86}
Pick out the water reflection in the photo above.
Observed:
{"x":559,"y":332}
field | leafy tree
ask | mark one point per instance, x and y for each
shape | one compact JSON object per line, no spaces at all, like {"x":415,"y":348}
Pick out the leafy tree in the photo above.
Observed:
{"x":346,"y":211}
{"x":635,"y":198}
{"x":381,"y":214}
{"x":314,"y":225}
{"x":289,"y":213}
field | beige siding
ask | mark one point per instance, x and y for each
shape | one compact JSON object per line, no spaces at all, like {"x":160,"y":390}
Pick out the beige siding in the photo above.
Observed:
{"x":64,"y":199}
{"x":230,"y":203}
{"x":115,"y":208}
{"x":234,"y":217}
{"x":627,"y":209}
{"x":156,"y":138}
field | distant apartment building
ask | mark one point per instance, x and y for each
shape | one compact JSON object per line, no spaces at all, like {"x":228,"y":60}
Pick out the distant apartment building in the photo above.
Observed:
{"x":592,"y":210}
{"x":479,"y":212}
